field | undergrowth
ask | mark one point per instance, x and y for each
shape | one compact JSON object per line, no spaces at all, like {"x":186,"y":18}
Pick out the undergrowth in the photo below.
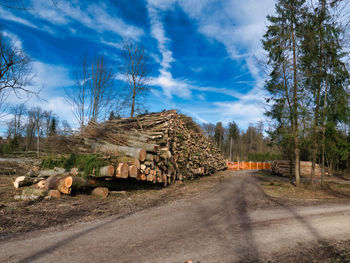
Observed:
{"x":87,"y":163}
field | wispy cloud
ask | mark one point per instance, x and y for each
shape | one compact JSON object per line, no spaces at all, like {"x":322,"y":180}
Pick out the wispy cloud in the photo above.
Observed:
{"x":94,"y":16}
{"x":157,"y":31}
{"x":7,"y":15}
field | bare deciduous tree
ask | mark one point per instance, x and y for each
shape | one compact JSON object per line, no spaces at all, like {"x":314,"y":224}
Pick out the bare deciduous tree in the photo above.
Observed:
{"x":15,"y":69}
{"x":18,"y":112}
{"x":101,"y":82}
{"x":47,"y":117}
{"x":134,"y":68}
{"x":92,"y":95}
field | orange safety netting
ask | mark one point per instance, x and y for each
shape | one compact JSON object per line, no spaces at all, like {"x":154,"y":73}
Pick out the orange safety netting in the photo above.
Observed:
{"x":248,"y":165}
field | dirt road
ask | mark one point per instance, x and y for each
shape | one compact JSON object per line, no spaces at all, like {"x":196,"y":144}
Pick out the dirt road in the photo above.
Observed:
{"x":233,"y":222}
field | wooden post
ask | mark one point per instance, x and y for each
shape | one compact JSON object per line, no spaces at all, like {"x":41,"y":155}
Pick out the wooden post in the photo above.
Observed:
{"x":250,"y":165}
{"x":238,"y":165}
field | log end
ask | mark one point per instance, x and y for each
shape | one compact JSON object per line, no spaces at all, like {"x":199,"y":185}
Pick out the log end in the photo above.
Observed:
{"x":142,"y":155}
{"x":122,"y":170}
{"x":132,"y":171}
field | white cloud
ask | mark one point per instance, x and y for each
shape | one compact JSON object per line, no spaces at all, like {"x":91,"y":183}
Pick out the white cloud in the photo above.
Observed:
{"x":7,"y":15}
{"x":51,"y":77}
{"x":157,"y":31}
{"x":171,"y":86}
{"x":94,"y":16}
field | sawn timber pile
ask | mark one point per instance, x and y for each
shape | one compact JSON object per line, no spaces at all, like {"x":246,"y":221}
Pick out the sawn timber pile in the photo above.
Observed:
{"x":167,"y":146}
{"x":159,"y":147}
{"x":286,"y":168}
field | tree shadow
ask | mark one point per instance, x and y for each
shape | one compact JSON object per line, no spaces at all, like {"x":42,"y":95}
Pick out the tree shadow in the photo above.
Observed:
{"x":65,"y":241}
{"x":246,"y":249}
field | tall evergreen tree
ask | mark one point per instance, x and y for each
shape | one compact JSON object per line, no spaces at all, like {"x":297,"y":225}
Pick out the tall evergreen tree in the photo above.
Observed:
{"x":326,"y":76}
{"x":282,"y":42}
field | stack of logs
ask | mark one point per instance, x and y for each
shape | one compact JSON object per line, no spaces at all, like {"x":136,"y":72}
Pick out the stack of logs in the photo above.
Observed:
{"x":286,"y":168}
{"x":159,"y":147}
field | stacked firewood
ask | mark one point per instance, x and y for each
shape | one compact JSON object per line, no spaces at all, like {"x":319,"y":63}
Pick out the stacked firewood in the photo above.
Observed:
{"x":286,"y":168}
{"x":159,"y":147}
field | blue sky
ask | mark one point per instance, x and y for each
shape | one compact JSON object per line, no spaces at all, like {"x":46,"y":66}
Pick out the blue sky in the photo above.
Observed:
{"x":203,"y":53}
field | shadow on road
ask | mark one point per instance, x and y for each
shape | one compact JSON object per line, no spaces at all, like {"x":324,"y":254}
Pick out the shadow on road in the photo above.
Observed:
{"x":237,"y":198}
{"x":63,"y":242}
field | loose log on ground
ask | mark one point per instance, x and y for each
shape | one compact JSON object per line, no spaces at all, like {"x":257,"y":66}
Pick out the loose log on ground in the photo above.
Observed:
{"x":54,"y":194}
{"x":100,"y":192}
{"x":26,"y":181}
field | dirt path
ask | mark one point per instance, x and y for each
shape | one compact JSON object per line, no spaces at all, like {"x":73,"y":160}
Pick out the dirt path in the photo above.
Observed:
{"x":233,"y":222}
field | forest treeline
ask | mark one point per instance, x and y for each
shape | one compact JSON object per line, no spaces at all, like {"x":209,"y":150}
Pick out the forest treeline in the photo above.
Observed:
{"x":242,"y":145}
{"x":308,"y":82}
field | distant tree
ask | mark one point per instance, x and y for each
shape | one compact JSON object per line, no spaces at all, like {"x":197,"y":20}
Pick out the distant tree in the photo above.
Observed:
{"x":36,"y":114}
{"x":209,"y":129}
{"x":134,"y":67}
{"x":219,"y":135}
{"x":233,"y":134}
{"x":47,"y":117}
{"x":111,"y":116}
{"x":53,"y":127}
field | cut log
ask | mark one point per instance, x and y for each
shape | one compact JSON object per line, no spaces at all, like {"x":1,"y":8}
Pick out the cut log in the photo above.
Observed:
{"x":26,"y":181}
{"x":122,"y":170}
{"x":100,"y":192}
{"x":150,"y":178}
{"x":137,"y":163}
{"x":143,"y":177}
{"x":48,"y":173}
{"x":31,"y":194}
{"x":53,"y":181}
{"x":107,"y":171}
{"x":132,"y":171}
{"x":138,"y":153}
{"x":62,"y":187}
{"x":41,"y":184}
{"x":54,"y":194}
{"x":153,"y":148}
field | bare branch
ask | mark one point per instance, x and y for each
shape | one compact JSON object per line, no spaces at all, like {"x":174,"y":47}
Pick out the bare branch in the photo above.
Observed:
{"x":135,"y":70}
